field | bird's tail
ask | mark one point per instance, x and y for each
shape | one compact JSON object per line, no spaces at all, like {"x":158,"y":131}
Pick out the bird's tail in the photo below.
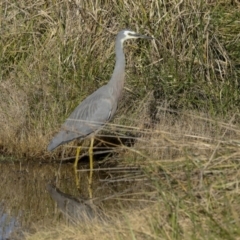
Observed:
{"x":61,"y":138}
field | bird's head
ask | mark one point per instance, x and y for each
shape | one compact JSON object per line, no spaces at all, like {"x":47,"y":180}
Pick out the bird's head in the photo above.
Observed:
{"x":128,"y":34}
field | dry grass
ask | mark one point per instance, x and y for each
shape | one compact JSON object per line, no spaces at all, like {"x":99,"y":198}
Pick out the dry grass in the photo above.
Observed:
{"x":187,"y":187}
{"x":183,"y":117}
{"x":52,"y":58}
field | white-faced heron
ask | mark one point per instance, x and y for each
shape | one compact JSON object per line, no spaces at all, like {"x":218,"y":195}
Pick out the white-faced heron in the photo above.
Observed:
{"x":97,"y":109}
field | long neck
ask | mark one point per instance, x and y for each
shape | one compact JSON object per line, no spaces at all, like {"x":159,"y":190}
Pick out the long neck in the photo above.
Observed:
{"x":117,"y":79}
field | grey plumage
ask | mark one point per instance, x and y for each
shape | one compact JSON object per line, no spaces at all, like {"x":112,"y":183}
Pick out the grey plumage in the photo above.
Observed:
{"x":99,"y":107}
{"x":87,"y":118}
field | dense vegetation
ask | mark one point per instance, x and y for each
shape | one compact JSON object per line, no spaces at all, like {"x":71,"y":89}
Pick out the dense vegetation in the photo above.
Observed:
{"x":183,"y":87}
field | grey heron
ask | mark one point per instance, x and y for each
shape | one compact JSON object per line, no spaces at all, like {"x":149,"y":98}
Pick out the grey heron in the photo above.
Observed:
{"x":97,"y":109}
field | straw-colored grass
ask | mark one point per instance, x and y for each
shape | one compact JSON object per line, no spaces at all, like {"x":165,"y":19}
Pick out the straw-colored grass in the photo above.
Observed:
{"x":186,"y":187}
{"x":55,"y":54}
{"x":180,"y":106}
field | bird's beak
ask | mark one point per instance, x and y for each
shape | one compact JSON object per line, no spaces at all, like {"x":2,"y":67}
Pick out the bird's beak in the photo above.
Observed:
{"x":137,"y":35}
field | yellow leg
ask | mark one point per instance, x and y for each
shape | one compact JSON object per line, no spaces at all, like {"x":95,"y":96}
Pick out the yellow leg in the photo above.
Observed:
{"x":75,"y":168}
{"x":91,"y":168}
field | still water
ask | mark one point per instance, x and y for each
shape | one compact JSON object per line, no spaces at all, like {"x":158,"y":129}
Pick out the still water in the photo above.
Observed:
{"x":25,"y":203}
{"x":8,"y":224}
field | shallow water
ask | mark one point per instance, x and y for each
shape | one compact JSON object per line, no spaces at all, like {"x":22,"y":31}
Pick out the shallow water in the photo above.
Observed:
{"x":8,"y":224}
{"x":23,"y":191}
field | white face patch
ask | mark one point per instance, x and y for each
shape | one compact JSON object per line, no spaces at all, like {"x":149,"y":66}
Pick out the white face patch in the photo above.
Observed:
{"x":127,"y":36}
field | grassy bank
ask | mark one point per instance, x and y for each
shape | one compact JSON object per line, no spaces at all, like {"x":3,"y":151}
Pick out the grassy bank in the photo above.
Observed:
{"x":181,"y":102}
{"x":187,"y":189}
{"x":54,"y":54}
